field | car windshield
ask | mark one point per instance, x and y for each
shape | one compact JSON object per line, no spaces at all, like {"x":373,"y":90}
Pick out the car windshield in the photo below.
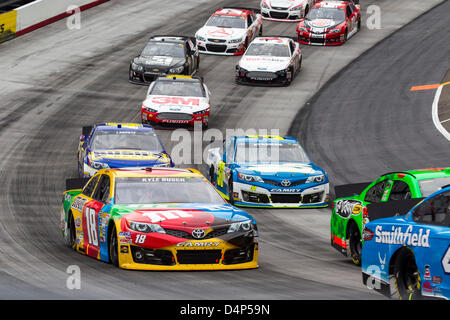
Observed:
{"x":223,"y":21}
{"x":326,"y":13}
{"x":160,"y":48}
{"x":135,"y":140}
{"x":268,"y":49}
{"x":142,"y":190}
{"x":430,"y":186}
{"x":270,"y":152}
{"x":178,"y":88}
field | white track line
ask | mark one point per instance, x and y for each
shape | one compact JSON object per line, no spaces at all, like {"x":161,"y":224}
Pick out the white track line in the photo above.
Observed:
{"x":436,"y":121}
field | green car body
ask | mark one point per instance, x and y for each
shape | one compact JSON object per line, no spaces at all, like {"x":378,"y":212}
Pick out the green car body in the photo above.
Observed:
{"x":349,"y":214}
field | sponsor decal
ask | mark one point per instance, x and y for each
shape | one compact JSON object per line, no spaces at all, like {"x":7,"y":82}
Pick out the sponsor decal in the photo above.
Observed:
{"x":407,"y":237}
{"x":194,"y":244}
{"x":176,"y":100}
{"x":78,"y":203}
{"x":286,"y":190}
{"x":160,"y":61}
{"x":427,"y":275}
{"x":198,"y":233}
{"x":345,"y":208}
{"x":382,"y":260}
{"x":427,"y":288}
{"x":123,"y":240}
{"x":123,"y":249}
{"x":125,"y":234}
{"x":437,"y":280}
{"x":78,"y":222}
{"x":221,"y":32}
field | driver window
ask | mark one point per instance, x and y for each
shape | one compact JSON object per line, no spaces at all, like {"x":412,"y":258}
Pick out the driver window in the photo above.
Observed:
{"x":400,"y":191}
{"x":249,"y":20}
{"x":349,"y":11}
{"x":435,"y":211}
{"x":87,"y":191}
{"x":375,"y":193}
{"x":101,"y":193}
{"x":230,"y":152}
{"x":292,"y":47}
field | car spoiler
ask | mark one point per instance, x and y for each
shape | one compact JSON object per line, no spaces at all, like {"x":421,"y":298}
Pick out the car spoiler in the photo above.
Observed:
{"x":391,"y":208}
{"x":76,"y":183}
{"x":349,"y":190}
{"x":244,"y":8}
{"x":193,"y":39}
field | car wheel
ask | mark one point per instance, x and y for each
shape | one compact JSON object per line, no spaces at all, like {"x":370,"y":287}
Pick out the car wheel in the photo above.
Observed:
{"x":113,"y":247}
{"x":70,"y":235}
{"x":198,"y":63}
{"x":230,"y":191}
{"x":130,"y":74}
{"x":355,"y":244}
{"x":211,"y":174}
{"x":359,"y":24}
{"x":289,"y":81}
{"x":260,"y":31}
{"x":406,"y":276}
{"x":306,"y":10}
{"x":346,"y":36}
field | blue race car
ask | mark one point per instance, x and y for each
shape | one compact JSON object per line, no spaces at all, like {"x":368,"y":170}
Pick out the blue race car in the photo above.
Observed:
{"x":408,"y":256}
{"x":119,"y":145}
{"x":267,"y":171}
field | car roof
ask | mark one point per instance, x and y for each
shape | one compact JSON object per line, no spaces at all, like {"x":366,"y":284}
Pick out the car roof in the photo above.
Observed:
{"x":233,"y":12}
{"x":266,"y":139}
{"x":267,"y":39}
{"x":153,"y":172}
{"x":115,"y":126}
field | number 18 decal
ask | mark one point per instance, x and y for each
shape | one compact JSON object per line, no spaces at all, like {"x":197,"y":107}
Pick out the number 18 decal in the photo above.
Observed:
{"x":91,"y":225}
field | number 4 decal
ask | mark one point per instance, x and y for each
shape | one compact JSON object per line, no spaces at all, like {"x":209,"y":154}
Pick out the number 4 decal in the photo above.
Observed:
{"x":446,"y":261}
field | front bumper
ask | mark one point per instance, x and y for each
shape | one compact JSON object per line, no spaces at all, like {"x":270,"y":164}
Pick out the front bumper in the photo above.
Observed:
{"x":221,"y":48}
{"x":247,"y":195}
{"x":324,"y":39}
{"x":264,"y":78}
{"x":176,"y":119}
{"x":274,"y":14}
{"x":213,"y":254}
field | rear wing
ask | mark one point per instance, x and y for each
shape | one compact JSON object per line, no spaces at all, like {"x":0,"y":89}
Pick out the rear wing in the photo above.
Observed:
{"x":391,"y":208}
{"x":76,"y":183}
{"x":349,"y":190}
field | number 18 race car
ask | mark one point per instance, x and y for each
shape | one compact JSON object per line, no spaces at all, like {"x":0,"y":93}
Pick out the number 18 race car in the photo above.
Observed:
{"x":270,"y":61}
{"x":157,"y":219}
{"x":229,"y":31}
{"x":408,"y":257}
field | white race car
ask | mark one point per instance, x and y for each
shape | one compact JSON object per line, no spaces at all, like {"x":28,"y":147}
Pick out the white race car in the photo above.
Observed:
{"x":285,"y":10}
{"x":229,"y":31}
{"x":270,"y":61}
{"x":176,"y":100}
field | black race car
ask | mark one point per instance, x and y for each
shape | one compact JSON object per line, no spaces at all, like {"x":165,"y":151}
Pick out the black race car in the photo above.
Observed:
{"x":165,"y":55}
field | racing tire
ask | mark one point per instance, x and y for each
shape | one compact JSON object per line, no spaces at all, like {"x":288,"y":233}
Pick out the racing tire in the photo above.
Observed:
{"x":113,"y":247}
{"x":306,"y":10}
{"x":406,"y":277}
{"x":355,"y":244}
{"x":359,"y":24}
{"x":260,"y":33}
{"x":198,"y":63}
{"x":130,"y":74}
{"x":230,"y":191}
{"x":211,"y":174}
{"x":70,"y":235}
{"x":288,"y":82}
{"x":346,"y":36}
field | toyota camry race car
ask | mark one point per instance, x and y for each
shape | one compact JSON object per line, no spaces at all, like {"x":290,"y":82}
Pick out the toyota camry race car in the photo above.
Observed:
{"x":176,"y":100}
{"x":357,"y":204}
{"x":408,"y":257}
{"x":269,"y":60}
{"x":267,"y":171}
{"x":118,"y":145}
{"x":285,"y":10}
{"x":157,"y":219}
{"x":164,"y":55}
{"x":229,"y":31}
{"x":329,"y":23}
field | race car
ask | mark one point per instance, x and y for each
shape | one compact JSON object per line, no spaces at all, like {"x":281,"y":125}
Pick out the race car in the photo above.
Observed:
{"x":329,"y":23}
{"x":157,"y":219}
{"x":164,"y":55}
{"x":177,"y":100}
{"x":408,"y":257}
{"x":269,"y":60}
{"x":267,"y":171}
{"x":229,"y":31}
{"x":285,"y":10}
{"x":118,"y":145}
{"x":357,"y":204}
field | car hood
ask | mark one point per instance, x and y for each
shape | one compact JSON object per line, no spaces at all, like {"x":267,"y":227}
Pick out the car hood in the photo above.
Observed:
{"x":176,"y":104}
{"x":282,"y":171}
{"x":158,"y":62}
{"x":185,"y":217}
{"x":264,"y":63}
{"x":321,"y":25}
{"x":284,"y":3}
{"x":221,"y":33}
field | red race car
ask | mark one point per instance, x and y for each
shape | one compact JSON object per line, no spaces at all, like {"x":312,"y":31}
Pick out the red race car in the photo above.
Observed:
{"x":330,"y":23}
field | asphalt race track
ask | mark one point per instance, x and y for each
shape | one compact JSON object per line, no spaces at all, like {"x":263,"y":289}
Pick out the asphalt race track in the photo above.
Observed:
{"x":363,"y":123}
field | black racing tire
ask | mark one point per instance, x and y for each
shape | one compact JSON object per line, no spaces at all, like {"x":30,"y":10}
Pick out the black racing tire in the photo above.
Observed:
{"x":355,"y":244}
{"x":230,"y":191}
{"x":113,"y":247}
{"x":288,"y":83}
{"x":359,"y":24}
{"x":306,"y":10}
{"x":406,"y":277}
{"x":211,"y":174}
{"x":346,"y":36}
{"x":260,"y":33}
{"x":198,"y":63}
{"x":70,"y":237}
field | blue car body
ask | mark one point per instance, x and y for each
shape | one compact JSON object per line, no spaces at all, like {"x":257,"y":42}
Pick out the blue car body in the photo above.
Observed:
{"x":255,"y":183}
{"x":131,"y":154}
{"x":423,"y":234}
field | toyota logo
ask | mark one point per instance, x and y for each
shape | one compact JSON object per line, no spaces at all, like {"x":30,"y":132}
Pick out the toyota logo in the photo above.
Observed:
{"x":285,"y":183}
{"x":198,"y":233}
